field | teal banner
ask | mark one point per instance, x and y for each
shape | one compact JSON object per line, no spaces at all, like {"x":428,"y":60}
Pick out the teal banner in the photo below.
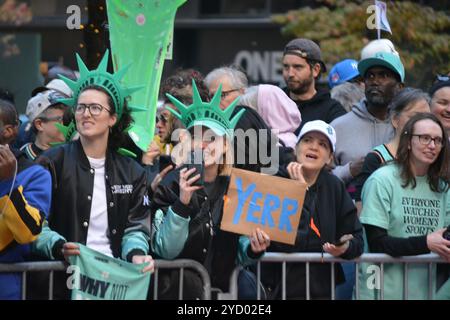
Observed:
{"x":140,"y":34}
{"x":95,"y":276}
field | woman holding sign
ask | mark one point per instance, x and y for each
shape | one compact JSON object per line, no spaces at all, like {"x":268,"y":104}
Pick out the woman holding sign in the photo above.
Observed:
{"x":189,"y":211}
{"x":99,"y":196}
{"x":328,"y":222}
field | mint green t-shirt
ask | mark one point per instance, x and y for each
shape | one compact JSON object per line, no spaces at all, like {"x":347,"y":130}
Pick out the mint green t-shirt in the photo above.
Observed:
{"x":403,"y":212}
{"x":95,"y":276}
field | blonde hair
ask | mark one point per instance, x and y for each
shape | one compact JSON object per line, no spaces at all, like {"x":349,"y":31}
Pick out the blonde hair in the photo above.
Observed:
{"x":181,"y":151}
{"x":228,"y":159}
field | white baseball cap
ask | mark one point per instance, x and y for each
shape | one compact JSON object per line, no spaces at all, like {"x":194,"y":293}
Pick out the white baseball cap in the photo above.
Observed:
{"x":322,"y":127}
{"x":379,"y":45}
{"x":40,"y":102}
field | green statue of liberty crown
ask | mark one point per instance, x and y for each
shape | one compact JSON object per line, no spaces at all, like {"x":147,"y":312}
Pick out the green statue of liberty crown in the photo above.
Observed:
{"x":207,"y":114}
{"x":102,"y":78}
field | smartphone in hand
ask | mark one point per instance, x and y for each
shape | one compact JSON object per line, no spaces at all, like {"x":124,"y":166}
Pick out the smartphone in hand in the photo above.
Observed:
{"x":343,"y":240}
{"x":196,"y":161}
{"x":165,"y":161}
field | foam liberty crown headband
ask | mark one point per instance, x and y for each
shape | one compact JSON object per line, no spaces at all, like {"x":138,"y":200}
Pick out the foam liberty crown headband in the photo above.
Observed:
{"x":110,"y":82}
{"x":103,"y":79}
{"x":207,"y":114}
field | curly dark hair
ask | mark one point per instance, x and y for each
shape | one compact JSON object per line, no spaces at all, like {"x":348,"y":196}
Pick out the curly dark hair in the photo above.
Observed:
{"x":179,"y":85}
{"x":117,"y":136}
{"x":438,"y":171}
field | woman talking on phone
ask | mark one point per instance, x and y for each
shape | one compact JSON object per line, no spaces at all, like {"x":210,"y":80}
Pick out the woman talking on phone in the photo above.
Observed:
{"x":188,"y":216}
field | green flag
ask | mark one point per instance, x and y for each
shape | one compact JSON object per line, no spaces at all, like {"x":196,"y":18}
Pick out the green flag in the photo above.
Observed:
{"x":95,"y":276}
{"x":139,"y":34}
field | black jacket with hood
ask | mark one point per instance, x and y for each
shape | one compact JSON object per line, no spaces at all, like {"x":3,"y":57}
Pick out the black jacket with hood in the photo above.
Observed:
{"x":320,"y":107}
{"x":329,"y":205}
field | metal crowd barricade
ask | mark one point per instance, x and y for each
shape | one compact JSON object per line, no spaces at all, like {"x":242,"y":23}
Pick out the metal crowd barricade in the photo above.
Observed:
{"x":183,"y":264}
{"x":25,"y":267}
{"x":52,"y":266}
{"x":307,"y":258}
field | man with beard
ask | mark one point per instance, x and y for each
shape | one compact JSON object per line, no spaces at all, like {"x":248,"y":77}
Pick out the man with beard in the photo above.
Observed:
{"x":302,"y":66}
{"x":368,"y":124}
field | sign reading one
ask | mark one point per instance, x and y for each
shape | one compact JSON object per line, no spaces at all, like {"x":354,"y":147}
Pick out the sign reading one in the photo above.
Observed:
{"x":271,"y":203}
{"x":263,"y":66}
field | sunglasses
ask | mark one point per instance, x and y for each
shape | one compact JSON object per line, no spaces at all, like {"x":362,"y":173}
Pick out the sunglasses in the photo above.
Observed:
{"x":161,"y":118}
{"x":54,"y":97}
{"x":55,"y":119}
{"x":442,"y":78}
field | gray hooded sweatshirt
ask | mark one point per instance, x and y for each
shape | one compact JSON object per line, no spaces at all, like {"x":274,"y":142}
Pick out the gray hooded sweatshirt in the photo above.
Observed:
{"x":357,"y":133}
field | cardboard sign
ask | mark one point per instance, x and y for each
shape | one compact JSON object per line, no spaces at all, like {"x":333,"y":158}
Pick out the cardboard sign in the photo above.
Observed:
{"x":271,"y":203}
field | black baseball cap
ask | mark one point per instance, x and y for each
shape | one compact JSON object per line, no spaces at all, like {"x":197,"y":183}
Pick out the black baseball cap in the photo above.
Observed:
{"x":307,"y":49}
{"x":441,"y":82}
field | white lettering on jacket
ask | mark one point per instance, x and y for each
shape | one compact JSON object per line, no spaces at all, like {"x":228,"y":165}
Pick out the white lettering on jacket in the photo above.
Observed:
{"x":122,"y":188}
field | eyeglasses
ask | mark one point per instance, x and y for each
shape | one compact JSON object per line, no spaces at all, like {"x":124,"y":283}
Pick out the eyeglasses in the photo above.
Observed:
{"x":56,"y":119}
{"x":94,"y":109}
{"x":226,"y":93}
{"x":426,"y":139}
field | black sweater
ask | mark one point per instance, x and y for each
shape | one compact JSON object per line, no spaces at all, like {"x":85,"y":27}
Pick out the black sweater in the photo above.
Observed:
{"x":380,"y":242}
{"x":319,"y":107}
{"x":334,"y":214}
